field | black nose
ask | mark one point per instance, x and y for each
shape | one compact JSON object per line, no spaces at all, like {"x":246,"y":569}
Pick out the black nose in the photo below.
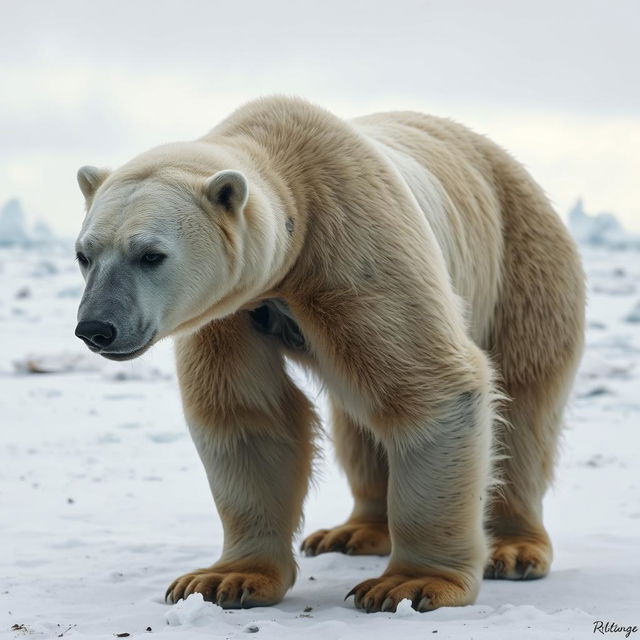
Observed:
{"x":95,"y":333}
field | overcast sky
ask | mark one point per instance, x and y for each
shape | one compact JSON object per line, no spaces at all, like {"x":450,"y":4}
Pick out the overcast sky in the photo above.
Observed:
{"x":555,"y":82}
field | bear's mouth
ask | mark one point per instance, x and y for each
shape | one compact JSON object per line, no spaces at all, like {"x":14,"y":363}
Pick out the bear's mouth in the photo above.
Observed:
{"x":130,"y":355}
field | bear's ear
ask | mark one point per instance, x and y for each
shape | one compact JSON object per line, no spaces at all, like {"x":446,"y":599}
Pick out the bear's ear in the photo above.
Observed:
{"x":89,"y":179}
{"x":227,"y":189}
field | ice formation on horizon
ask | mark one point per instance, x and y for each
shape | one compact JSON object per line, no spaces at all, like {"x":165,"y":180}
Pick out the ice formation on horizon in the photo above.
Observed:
{"x":600,"y":230}
{"x":14,"y":230}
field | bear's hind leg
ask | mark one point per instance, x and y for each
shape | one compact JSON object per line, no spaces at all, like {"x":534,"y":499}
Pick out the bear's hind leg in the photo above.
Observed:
{"x":365,"y":462}
{"x":537,"y":343}
{"x":521,"y":548}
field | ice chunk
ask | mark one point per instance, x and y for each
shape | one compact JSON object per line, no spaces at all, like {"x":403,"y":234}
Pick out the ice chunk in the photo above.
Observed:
{"x":14,"y":229}
{"x":600,"y":230}
{"x":405,"y":609}
{"x":42,"y":233}
{"x":192,"y":611}
{"x":12,"y":224}
{"x":634,"y":315}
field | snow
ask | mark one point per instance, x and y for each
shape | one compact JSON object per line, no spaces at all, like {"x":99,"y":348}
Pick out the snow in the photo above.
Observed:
{"x":104,"y":501}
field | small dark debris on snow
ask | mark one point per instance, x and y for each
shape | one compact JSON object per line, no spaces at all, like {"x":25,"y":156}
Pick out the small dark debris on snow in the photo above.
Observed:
{"x":148,"y":629}
{"x":595,"y":391}
{"x":19,"y":627}
{"x":311,"y":578}
{"x":634,"y":314}
{"x":122,"y":635}
{"x":598,"y":460}
{"x":307,"y":609}
{"x":252,"y":628}
{"x":70,"y":500}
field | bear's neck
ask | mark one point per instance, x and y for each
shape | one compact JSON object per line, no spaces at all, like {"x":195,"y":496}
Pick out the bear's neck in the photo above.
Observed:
{"x":316,"y":163}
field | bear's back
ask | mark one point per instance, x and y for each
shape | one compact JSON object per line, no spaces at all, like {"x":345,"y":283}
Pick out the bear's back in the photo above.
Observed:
{"x":451,"y":177}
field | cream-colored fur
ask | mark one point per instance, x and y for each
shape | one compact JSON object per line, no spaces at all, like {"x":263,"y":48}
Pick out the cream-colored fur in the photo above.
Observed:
{"x":418,"y":270}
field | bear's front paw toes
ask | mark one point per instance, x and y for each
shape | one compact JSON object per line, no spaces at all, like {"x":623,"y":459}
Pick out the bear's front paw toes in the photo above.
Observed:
{"x":426,"y":593}
{"x":229,"y":590}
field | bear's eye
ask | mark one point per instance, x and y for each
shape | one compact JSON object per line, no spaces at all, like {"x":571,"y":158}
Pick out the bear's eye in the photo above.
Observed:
{"x":153,"y":259}
{"x":82,"y":259}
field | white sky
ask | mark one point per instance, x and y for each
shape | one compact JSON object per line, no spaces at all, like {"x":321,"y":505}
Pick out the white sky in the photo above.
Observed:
{"x":555,"y":82}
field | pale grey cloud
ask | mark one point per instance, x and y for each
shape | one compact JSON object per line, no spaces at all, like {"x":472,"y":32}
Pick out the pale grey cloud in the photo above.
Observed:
{"x":556,"y":82}
{"x":580,"y":54}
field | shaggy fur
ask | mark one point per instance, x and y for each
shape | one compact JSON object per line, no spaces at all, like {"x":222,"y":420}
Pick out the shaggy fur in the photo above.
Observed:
{"x":419,"y":271}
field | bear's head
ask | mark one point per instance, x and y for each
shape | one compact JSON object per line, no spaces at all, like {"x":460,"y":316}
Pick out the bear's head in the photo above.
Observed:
{"x":166,"y":246}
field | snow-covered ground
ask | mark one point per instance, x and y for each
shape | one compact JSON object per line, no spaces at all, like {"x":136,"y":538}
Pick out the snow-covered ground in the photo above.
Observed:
{"x":103,"y":501}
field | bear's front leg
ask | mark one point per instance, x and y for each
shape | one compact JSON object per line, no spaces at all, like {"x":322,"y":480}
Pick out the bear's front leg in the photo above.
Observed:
{"x":252,"y":428}
{"x":439,"y":469}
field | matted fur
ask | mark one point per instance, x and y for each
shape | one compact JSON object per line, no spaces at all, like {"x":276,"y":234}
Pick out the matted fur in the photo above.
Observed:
{"x":421,"y":263}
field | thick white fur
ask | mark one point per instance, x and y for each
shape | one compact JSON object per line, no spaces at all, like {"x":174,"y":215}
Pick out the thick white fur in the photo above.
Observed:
{"x":421,"y":263}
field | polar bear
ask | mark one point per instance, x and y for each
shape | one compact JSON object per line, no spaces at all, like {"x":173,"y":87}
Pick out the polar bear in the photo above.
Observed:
{"x":416,"y":269}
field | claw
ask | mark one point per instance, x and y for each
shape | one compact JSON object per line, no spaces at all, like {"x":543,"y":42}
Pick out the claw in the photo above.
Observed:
{"x":498,"y":568}
{"x":424,"y":604}
{"x":168,"y":592}
{"x":527,"y":571}
{"x":221,"y":598}
{"x":369,"y":605}
{"x":245,"y":594}
{"x":387,"y":605}
{"x":351,"y":593}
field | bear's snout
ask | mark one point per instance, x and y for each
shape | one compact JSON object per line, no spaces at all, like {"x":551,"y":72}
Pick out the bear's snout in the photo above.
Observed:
{"x":96,"y":334}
